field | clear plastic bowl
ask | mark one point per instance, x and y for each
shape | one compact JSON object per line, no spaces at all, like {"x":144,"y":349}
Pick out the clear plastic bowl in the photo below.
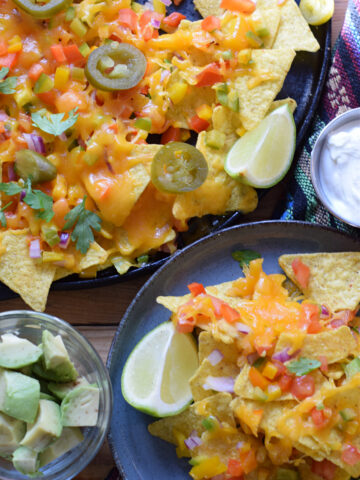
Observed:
{"x":28,"y":324}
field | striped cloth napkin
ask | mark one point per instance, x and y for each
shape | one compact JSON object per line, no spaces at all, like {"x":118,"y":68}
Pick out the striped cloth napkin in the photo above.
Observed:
{"x":341,"y":93}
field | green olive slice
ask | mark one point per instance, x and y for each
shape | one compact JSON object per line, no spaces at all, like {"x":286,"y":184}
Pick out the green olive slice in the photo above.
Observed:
{"x":115,"y":66}
{"x":178,"y":168}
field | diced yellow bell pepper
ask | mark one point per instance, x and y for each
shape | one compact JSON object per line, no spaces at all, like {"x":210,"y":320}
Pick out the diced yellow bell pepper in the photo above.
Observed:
{"x":208,"y":468}
{"x":181,"y":449}
{"x":24,"y":95}
{"x":61,"y":78}
{"x":352,"y":427}
{"x":48,"y":257}
{"x":159,"y":7}
{"x":273,"y":392}
{"x":177,"y":92}
{"x":244,"y":56}
{"x":15,"y":44}
{"x":270,"y":371}
{"x":60,"y":187}
{"x":204,"y":112}
{"x":240,"y":131}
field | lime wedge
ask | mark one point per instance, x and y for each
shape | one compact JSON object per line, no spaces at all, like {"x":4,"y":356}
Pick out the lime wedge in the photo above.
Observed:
{"x":262,"y":157}
{"x":317,"y":12}
{"x":156,"y":375}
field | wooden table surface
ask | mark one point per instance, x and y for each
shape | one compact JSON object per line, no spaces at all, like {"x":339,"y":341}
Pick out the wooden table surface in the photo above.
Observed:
{"x":97,"y":312}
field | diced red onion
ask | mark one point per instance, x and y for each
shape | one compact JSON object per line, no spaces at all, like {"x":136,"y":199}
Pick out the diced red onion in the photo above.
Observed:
{"x":64,"y":240}
{"x":34,"y":249}
{"x":155,"y":23}
{"x":166,"y":2}
{"x":252,"y":358}
{"x":242,"y":328}
{"x":193,"y":441}
{"x":35,"y":143}
{"x":337,"y":323}
{"x":3,"y":116}
{"x":11,"y":173}
{"x":22,"y":195}
{"x":63,"y":136}
{"x":81,"y":143}
{"x":324,"y":312}
{"x":219,"y":384}
{"x":149,"y":6}
{"x":283,"y":355}
{"x":215,"y":357}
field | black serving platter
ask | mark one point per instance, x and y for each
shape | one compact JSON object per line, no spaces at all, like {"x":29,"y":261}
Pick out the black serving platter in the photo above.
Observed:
{"x":304,"y":83}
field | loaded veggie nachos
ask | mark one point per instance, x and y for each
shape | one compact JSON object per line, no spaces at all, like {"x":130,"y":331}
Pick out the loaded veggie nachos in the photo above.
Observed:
{"x":276,"y":393}
{"x":83,"y":85}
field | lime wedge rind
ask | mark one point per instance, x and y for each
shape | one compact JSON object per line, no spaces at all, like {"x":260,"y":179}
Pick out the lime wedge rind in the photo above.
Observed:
{"x":153,"y":350}
{"x":317,"y":12}
{"x":263,"y":156}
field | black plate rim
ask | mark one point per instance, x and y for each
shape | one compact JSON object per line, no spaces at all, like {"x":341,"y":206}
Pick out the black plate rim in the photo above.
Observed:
{"x":74,"y":282}
{"x":168,"y":265}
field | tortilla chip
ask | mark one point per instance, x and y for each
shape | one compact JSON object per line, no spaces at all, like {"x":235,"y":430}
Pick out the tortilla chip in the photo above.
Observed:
{"x":96,"y":255}
{"x":207,"y":344}
{"x":294,"y":31}
{"x":218,"y":194}
{"x":208,"y":7}
{"x":24,"y":275}
{"x":61,"y":273}
{"x":335,"y":344}
{"x":206,"y":369}
{"x":271,"y":14}
{"x":334,"y":278}
{"x":255,"y":102}
{"x":143,"y":155}
{"x":191,"y":419}
{"x":290,"y":102}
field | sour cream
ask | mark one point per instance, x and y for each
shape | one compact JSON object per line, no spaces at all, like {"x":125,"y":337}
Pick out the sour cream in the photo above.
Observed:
{"x":340,"y":171}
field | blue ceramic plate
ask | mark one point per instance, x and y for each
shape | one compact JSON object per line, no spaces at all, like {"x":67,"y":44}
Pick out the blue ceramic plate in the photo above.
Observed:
{"x":138,"y":455}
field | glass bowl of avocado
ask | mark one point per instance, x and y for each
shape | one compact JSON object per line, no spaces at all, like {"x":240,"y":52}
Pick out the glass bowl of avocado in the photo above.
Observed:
{"x":55,"y":398}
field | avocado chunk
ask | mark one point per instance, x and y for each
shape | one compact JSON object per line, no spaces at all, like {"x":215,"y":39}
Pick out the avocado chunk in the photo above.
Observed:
{"x":26,"y":461}
{"x":19,"y":395}
{"x":46,"y":429}
{"x":70,"y":438}
{"x":12,"y":432}
{"x":55,"y":352}
{"x":46,"y":396}
{"x":62,"y":374}
{"x":80,"y":407}
{"x":17,"y":352}
{"x":60,"y":390}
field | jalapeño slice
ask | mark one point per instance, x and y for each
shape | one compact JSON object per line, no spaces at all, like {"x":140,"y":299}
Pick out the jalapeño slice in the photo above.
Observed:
{"x":178,"y":168}
{"x":46,"y":10}
{"x":115,"y":66}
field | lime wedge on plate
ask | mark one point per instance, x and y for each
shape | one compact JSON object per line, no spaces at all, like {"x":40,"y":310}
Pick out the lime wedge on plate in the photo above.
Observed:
{"x":317,"y":12}
{"x":262,"y":157}
{"x":156,"y":375}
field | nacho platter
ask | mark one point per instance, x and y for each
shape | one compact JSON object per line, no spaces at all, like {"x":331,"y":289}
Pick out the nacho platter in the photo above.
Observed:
{"x":306,"y":98}
{"x":209,"y":262}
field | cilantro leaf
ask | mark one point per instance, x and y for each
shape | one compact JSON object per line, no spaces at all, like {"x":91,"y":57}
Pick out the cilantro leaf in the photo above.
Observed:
{"x":38,"y":200}
{"x":2,"y":215}
{"x":303,"y":366}
{"x":10,"y":188}
{"x":85,"y":221}
{"x":8,"y":85}
{"x":244,"y":257}
{"x":3,"y":72}
{"x":53,"y":123}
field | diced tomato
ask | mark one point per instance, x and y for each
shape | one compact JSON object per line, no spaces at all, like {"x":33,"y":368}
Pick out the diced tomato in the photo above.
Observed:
{"x":303,"y":387}
{"x":324,"y":363}
{"x":324,"y":469}
{"x":198,"y":124}
{"x":57,"y":52}
{"x":48,"y":97}
{"x":217,"y":303}
{"x":146,"y":28}
{"x":234,"y":468}
{"x":285,"y":383}
{"x":209,"y":76}
{"x":61,"y":208}
{"x":257,"y":379}
{"x":229,"y":313}
{"x":3,"y":47}
{"x":210,"y":23}
{"x":128,"y":18}
{"x":174,"y":19}
{"x":35,"y":71}
{"x":301,"y":272}
{"x":310,"y":318}
{"x":185,"y":325}
{"x":242,"y":6}
{"x":196,"y":288}
{"x":9,"y":60}
{"x":350,"y":454}
{"x":172,"y":134}
{"x":321,"y":418}
{"x":73,"y":54}
{"x":263,"y":349}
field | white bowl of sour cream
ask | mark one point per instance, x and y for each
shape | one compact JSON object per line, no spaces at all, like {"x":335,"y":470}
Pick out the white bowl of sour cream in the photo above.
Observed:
{"x":335,"y":167}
